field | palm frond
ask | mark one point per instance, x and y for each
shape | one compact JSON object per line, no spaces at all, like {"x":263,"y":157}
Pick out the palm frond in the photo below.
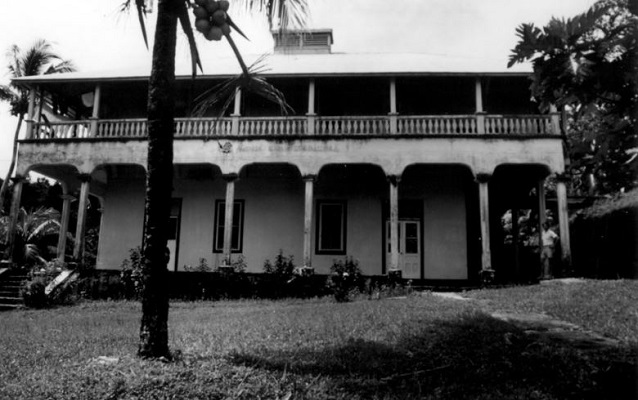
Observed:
{"x":31,"y":252}
{"x":140,"y":7}
{"x":284,"y":14}
{"x":61,"y":67}
{"x":188,"y":30}
{"x":248,"y":82}
{"x":6,"y":93}
{"x":37,"y":57}
{"x":45,"y":228}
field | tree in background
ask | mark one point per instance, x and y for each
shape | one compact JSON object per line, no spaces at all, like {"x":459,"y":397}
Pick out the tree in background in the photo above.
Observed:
{"x":36,"y":60}
{"x":215,"y":23}
{"x":588,"y":65}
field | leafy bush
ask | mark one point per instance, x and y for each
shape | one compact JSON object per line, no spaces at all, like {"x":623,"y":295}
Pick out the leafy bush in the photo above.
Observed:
{"x":201,"y":267}
{"x":283,"y":279}
{"x":283,"y":266}
{"x":33,"y":293}
{"x":232,"y":282}
{"x":346,"y":279}
{"x":131,"y":275}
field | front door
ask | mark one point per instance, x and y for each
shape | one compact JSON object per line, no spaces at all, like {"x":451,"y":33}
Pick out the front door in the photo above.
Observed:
{"x":409,"y":248}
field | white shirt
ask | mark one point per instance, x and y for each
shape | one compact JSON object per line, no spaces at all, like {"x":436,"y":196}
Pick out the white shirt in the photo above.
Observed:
{"x":549,"y":237}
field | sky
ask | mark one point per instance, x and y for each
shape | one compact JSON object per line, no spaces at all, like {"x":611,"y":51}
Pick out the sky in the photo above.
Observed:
{"x":96,"y":36}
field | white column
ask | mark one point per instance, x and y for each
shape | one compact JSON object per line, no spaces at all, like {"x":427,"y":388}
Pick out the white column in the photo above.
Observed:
{"x":64,"y":222}
{"x":478,"y":100}
{"x":307,"y":222}
{"x":95,"y":116}
{"x":394,"y":222}
{"x":542,"y":214}
{"x":236,"y":113}
{"x":312,"y":116}
{"x":80,"y":228}
{"x":30,"y":112}
{"x":555,"y":118}
{"x":228,"y":217}
{"x":484,"y":209}
{"x":515,"y":236}
{"x":13,"y":216}
{"x":393,"y":106}
{"x":478,"y":95}
{"x":563,"y":220}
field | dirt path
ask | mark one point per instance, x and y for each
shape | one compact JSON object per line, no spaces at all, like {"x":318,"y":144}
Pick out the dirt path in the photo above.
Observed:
{"x":544,"y":326}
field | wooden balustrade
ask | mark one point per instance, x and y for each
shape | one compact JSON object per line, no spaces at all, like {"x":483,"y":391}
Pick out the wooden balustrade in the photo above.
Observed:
{"x":500,"y":125}
{"x":352,"y":126}
{"x":284,"y":126}
{"x":437,"y":125}
{"x":62,"y":130}
{"x":518,"y":125}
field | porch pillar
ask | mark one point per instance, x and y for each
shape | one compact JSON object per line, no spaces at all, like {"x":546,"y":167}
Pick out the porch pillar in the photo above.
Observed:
{"x":312,"y":116}
{"x":478,"y":100}
{"x":95,"y":116}
{"x":307,"y":221}
{"x":542,"y":214}
{"x":484,"y":208}
{"x":13,"y":217}
{"x":515,"y":235}
{"x":228,"y":217}
{"x":30,"y":112}
{"x":64,"y":222}
{"x":393,"y":106}
{"x":394,"y":222}
{"x":563,"y":220}
{"x":80,"y":228}
{"x":234,"y":130}
{"x":555,"y":119}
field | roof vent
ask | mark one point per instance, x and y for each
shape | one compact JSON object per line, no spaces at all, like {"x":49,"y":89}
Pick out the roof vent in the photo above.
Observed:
{"x":308,"y":41}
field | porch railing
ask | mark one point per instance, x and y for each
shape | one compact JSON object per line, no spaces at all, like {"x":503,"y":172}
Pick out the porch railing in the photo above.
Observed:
{"x":390,"y":125}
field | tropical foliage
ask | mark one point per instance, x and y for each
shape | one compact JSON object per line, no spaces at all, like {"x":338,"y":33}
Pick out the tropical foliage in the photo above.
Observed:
{"x":36,"y":231}
{"x":36,"y":60}
{"x":588,"y":65}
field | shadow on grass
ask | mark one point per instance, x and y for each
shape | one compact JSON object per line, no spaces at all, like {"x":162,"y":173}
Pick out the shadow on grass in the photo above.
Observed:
{"x":474,"y":356}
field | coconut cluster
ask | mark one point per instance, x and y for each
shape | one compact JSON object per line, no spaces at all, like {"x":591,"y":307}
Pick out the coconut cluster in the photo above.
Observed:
{"x":211,"y":18}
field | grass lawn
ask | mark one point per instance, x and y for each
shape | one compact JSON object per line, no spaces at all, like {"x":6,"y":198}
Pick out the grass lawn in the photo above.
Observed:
{"x":419,"y":347}
{"x":609,"y":307}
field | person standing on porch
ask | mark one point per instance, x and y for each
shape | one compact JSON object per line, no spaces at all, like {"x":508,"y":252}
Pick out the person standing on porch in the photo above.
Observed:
{"x":548,"y":238}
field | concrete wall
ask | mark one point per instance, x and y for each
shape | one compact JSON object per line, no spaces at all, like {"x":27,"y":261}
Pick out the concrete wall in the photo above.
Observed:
{"x":273,"y":220}
{"x":393,"y":155}
{"x":122,"y":221}
{"x":442,"y":189}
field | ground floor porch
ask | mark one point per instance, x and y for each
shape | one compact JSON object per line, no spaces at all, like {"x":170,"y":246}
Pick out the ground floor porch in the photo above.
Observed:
{"x":433,"y":222}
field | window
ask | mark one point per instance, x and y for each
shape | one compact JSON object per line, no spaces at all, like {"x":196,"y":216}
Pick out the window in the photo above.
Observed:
{"x":331,"y":227}
{"x":238,"y":226}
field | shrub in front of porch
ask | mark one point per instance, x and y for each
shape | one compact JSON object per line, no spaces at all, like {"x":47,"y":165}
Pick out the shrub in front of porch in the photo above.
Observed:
{"x":346,"y":279}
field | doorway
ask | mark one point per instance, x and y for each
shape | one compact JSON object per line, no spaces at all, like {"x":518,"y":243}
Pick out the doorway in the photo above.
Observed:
{"x":409,"y":247}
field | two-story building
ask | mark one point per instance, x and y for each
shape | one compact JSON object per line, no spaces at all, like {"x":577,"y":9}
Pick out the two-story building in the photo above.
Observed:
{"x":400,"y":161}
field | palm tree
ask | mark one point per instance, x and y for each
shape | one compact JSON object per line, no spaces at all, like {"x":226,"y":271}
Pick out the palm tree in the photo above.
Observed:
{"x":32,"y":231}
{"x":36,"y":60}
{"x":160,"y":113}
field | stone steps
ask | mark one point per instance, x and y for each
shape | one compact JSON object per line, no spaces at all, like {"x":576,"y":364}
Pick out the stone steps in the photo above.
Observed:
{"x":11,"y":284}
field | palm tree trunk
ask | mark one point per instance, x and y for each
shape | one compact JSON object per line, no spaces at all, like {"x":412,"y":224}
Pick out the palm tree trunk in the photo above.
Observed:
{"x":159,"y":184}
{"x":14,"y":154}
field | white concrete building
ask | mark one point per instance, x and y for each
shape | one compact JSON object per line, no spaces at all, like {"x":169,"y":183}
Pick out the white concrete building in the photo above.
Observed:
{"x":400,"y":161}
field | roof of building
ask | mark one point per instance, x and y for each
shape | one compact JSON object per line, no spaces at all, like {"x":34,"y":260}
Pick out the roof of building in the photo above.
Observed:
{"x":284,"y":65}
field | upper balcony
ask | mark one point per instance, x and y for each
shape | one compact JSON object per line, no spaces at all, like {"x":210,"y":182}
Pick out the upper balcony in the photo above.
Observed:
{"x":457,"y":105}
{"x":307,"y":126}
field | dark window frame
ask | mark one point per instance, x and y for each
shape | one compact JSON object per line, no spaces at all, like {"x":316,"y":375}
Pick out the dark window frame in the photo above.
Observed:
{"x":319,"y":226}
{"x":218,"y":225}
